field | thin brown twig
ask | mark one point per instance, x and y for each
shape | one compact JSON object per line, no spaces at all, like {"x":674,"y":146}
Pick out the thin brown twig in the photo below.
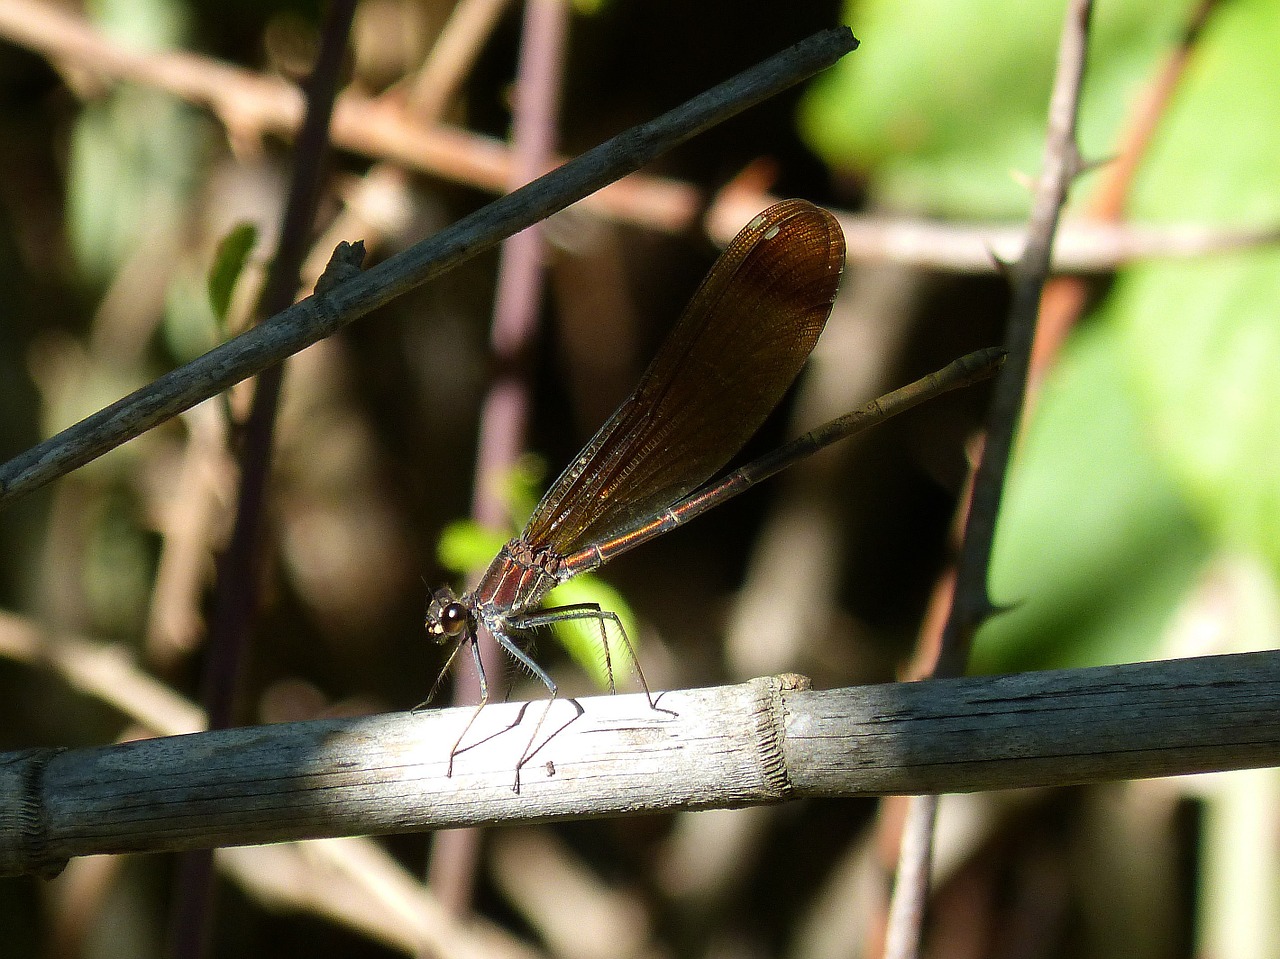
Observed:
{"x":433,"y":88}
{"x":971,"y":602}
{"x":386,"y":186}
{"x":186,"y":518}
{"x":904,"y":924}
{"x":1081,"y":246}
{"x":1065,"y":297}
{"x":320,"y":316}
{"x":252,"y":105}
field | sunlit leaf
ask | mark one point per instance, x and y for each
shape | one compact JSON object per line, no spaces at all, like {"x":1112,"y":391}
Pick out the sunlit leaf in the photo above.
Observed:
{"x":466,"y":547}
{"x":134,"y":154}
{"x":1203,"y":339}
{"x":1095,"y":545}
{"x":944,"y":100}
{"x":603,"y":656}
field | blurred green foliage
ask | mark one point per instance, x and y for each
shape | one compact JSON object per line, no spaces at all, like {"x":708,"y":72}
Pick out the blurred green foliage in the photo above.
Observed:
{"x":1203,"y":340}
{"x":1157,"y":445}
{"x":134,"y":153}
{"x":228,"y":263}
{"x":198,"y":299}
{"x":944,"y":99}
{"x":1096,"y":545}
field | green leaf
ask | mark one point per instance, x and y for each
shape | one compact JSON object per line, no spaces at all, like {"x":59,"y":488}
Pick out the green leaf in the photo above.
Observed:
{"x":1157,"y":445}
{"x":944,"y":100}
{"x":1095,"y":547}
{"x":600,"y":652}
{"x":1202,"y":339}
{"x":228,"y":264}
{"x":466,"y":547}
{"x":522,"y":487}
{"x":134,"y":154}
{"x":189,"y":327}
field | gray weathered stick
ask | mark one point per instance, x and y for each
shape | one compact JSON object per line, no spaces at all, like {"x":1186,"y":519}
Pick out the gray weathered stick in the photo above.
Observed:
{"x":319,"y":316}
{"x":759,"y":742}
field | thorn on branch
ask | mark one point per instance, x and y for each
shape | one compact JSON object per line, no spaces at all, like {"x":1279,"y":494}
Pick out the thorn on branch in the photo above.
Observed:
{"x":1024,"y":180}
{"x":344,"y":263}
{"x":1004,"y":267}
{"x":1083,"y":166}
{"x":995,"y":609}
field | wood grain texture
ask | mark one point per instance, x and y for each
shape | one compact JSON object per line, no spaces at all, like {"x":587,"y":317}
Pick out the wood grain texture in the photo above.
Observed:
{"x":760,"y":742}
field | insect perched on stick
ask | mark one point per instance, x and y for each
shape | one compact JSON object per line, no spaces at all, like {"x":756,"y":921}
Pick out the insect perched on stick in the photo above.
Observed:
{"x":736,"y":349}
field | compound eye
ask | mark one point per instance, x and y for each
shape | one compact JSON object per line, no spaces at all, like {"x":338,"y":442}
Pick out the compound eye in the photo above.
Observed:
{"x":453,"y":619}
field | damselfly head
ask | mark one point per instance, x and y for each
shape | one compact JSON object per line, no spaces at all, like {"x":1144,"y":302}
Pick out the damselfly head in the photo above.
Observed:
{"x":447,"y":617}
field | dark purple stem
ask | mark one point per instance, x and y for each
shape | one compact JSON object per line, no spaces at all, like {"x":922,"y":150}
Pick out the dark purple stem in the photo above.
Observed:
{"x":236,"y":592}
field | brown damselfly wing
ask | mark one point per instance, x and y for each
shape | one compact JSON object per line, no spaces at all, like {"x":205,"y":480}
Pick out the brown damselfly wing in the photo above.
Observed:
{"x":734,"y":352}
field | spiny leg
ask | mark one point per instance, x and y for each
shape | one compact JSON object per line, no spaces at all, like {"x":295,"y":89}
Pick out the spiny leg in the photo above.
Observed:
{"x":635,"y":660}
{"x":559,"y":614}
{"x":530,"y":621}
{"x":484,"y":699}
{"x":484,"y":696}
{"x":527,"y":661}
{"x":520,"y":713}
{"x":530,"y":750}
{"x":435,"y":687}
